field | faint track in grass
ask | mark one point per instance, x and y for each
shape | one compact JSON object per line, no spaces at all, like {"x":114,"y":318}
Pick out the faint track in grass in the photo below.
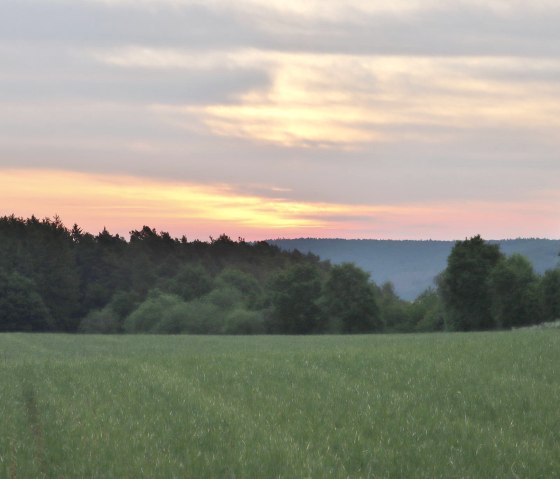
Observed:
{"x":35,"y":426}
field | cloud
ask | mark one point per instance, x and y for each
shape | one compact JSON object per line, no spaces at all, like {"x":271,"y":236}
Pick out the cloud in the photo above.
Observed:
{"x":114,"y":198}
{"x":95,"y":24}
{"x":36,"y":73}
{"x":368,"y":28}
{"x":122,"y":203}
{"x":346,"y":101}
{"x":339,"y":103}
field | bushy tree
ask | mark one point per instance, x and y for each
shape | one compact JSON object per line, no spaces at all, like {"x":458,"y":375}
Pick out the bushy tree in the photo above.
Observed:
{"x":110,"y":284}
{"x":514,"y":290}
{"x":226,"y":298}
{"x":295,"y":296}
{"x":149,"y":314}
{"x":243,"y":321}
{"x":110,"y":319}
{"x":246,"y":284}
{"x":191,"y":282}
{"x":101,"y":321}
{"x":349,"y":300}
{"x":464,"y":285}
{"x":395,"y":312}
{"x":21,"y":307}
{"x":427,"y":312}
{"x":549,"y":295}
{"x":123,"y":303}
{"x":195,"y":317}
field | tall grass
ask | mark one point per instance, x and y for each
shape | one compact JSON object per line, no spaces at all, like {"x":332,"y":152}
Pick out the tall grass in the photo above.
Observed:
{"x":446,"y":405}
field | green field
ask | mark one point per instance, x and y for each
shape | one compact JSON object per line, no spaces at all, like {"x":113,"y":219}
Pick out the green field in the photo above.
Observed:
{"x":442,"y":405}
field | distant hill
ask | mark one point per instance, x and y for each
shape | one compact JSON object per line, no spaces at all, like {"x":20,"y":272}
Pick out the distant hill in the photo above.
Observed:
{"x":412,"y":265}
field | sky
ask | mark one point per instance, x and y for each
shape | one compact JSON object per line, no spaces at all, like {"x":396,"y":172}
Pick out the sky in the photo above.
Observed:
{"x":408,"y":119}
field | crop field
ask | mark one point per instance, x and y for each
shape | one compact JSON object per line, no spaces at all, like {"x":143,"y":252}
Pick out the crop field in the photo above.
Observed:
{"x":440,"y":405}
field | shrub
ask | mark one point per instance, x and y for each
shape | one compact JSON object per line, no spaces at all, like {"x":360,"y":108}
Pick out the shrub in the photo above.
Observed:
{"x":242,"y":321}
{"x":225,"y":297}
{"x":21,"y":307}
{"x":123,"y":303}
{"x":427,"y":312}
{"x":191,"y":282}
{"x":146,"y":317}
{"x":103,"y":321}
{"x":245,"y":283}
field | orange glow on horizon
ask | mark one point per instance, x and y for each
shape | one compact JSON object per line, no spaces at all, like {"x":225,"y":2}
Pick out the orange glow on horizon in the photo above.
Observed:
{"x":122,"y":203}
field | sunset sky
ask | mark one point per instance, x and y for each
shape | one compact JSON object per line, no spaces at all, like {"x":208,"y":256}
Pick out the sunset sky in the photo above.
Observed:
{"x":398,"y":119}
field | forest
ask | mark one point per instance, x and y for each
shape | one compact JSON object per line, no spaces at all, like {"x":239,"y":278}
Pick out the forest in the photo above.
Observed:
{"x":59,"y":279}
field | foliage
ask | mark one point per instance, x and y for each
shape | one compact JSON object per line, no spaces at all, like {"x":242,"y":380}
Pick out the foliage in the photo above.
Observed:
{"x":514,"y":290}
{"x":245,"y":283}
{"x":59,"y":279}
{"x":150,"y":313}
{"x":123,"y":303}
{"x":191,"y":282}
{"x":195,"y":317}
{"x":427,"y":312}
{"x":483,"y":289}
{"x":411,"y":265}
{"x":21,"y":307}
{"x":465,"y":287}
{"x":225,"y":297}
{"x":396,"y":313}
{"x":152,"y":282}
{"x":549,"y":295}
{"x":243,"y":321}
{"x":350,"y":301}
{"x":101,"y":321}
{"x":295,"y":296}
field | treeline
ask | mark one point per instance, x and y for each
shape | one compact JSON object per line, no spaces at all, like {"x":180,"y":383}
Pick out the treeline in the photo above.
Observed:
{"x":66,"y":280}
{"x":413,"y":264}
{"x":480,"y":289}
{"x":483,"y":289}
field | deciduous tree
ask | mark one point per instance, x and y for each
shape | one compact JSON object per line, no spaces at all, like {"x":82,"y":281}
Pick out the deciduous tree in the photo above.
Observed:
{"x":295,"y":295}
{"x":350,"y":302}
{"x":464,"y":285}
{"x":514,"y":290}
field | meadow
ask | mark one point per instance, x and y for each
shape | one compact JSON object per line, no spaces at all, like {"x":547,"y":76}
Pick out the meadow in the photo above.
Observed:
{"x":432,"y":405}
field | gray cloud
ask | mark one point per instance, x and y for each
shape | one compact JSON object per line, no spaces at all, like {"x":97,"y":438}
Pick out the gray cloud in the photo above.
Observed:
{"x":61,"y":106}
{"x":484,"y":166}
{"x":454,"y":29}
{"x":98,"y":24}
{"x":216,"y":86}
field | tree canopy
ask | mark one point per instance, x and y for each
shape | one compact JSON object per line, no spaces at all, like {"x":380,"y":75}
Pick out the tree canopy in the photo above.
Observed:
{"x":465,"y":284}
{"x":350,"y":299}
{"x":57,"y":279}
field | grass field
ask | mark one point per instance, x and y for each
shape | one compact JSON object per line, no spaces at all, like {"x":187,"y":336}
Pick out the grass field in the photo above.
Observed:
{"x":442,"y":405}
